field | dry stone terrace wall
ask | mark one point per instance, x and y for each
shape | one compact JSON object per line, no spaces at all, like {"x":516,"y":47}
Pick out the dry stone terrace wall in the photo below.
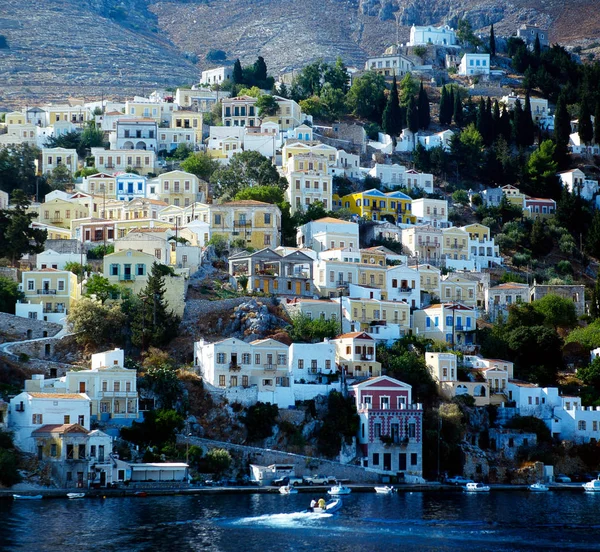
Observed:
{"x":303,"y":465}
{"x":16,"y":328}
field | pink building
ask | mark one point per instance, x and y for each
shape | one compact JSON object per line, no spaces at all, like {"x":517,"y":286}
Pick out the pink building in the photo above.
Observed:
{"x":391,"y":427}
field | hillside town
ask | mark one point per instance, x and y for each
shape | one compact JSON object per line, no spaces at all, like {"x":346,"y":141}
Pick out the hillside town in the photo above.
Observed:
{"x":386,"y":273}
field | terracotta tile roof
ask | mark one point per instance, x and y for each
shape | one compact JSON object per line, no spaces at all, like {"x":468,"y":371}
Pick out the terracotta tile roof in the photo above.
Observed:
{"x":61,"y":428}
{"x":243,"y":202}
{"x":37,"y":395}
{"x":331,"y":219}
{"x":520,"y":383}
{"x":363,"y":335}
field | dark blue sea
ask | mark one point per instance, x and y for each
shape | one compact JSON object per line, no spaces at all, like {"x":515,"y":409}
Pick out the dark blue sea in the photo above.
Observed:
{"x":498,"y":521}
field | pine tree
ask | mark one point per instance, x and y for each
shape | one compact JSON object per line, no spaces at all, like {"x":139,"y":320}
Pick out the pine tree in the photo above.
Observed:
{"x":562,"y":131}
{"x":444,"y":107}
{"x":528,"y":124}
{"x":237,"y":75}
{"x":492,"y":41}
{"x":597,"y":123}
{"x":153,"y":323}
{"x":412,"y":115}
{"x":586,"y":130}
{"x":424,"y":114}
{"x":392,"y":121}
{"x":458,"y":111}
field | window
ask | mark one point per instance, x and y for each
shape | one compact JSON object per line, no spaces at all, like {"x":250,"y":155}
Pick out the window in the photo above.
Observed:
{"x":376,"y":459}
{"x":245,"y":358}
{"x":300,"y":364}
{"x":581,"y":425}
{"x":244,"y":381}
{"x":53,"y":450}
{"x":412,"y":430}
{"x":30,"y":285}
{"x":140,"y":269}
{"x":267,"y":240}
{"x":217,"y":219}
{"x":117,"y":386}
{"x":281,"y":359}
{"x":413,"y":458}
{"x":377,"y":430}
{"x":257,"y":358}
{"x":220,"y":358}
{"x":66,"y":419}
{"x":222,"y":381}
{"x":37,"y":419}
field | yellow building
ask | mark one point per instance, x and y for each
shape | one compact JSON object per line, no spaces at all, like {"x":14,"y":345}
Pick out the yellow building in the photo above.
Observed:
{"x":191,"y":120}
{"x":461,"y":290}
{"x":148,"y":109}
{"x":102,"y":184}
{"x":372,"y":255}
{"x":15,"y":118}
{"x":242,"y":111}
{"x":178,"y":188}
{"x":60,"y":212}
{"x":54,"y":232}
{"x":367,"y":312}
{"x":355,"y":354}
{"x":373,"y":275}
{"x":76,"y":114}
{"x":112,"y":161}
{"x":49,"y":294}
{"x":478,"y":232}
{"x":455,"y":243}
{"x":429,"y":277}
{"x":54,"y":157}
{"x":255,"y":222}
{"x":514,"y":195}
{"x":375,"y":205}
{"x":308,"y":181}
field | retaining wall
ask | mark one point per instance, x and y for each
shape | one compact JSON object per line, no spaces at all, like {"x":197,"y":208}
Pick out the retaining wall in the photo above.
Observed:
{"x":17,"y":328}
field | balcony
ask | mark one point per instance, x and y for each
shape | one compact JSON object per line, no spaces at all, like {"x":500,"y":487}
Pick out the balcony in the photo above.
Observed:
{"x":234,"y":367}
{"x":46,"y":291}
{"x":55,"y":220}
{"x":117,"y":394}
{"x":375,"y":208}
{"x":55,"y":311}
{"x":270,"y":367}
{"x":367,"y":357}
{"x":404,"y":290}
{"x":126,"y":277}
{"x":241,"y":223}
{"x":341,"y":283}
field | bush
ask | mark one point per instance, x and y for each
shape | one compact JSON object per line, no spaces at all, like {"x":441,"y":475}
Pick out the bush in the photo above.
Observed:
{"x":216,"y":461}
{"x":531,"y":424}
{"x":260,"y":419}
{"x":564,"y":267}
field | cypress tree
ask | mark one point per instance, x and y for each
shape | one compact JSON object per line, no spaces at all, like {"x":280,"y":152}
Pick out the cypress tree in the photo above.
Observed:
{"x":482,"y":119}
{"x":537,"y":48}
{"x":237,"y":75}
{"x":412,"y":115}
{"x":528,"y":125}
{"x":586,"y":130}
{"x":392,"y":120}
{"x":444,"y":107}
{"x":505,"y":124}
{"x":450,"y":106}
{"x":597,"y":125}
{"x":562,"y":130}
{"x":492,"y":41}
{"x":496,"y":119}
{"x":260,"y":70}
{"x":458,"y":111}
{"x":470,"y":112}
{"x":489,"y":121}
{"x":517,"y":124}
{"x":424,"y":114}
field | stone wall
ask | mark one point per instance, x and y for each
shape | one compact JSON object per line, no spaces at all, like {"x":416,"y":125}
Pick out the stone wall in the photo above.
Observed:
{"x":16,"y":328}
{"x":10,"y":273}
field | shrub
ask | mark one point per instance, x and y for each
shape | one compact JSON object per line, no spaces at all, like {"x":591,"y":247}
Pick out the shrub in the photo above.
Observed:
{"x":260,"y":419}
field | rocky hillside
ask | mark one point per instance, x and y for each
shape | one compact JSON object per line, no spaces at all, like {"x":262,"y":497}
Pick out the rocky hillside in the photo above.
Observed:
{"x":87,"y":47}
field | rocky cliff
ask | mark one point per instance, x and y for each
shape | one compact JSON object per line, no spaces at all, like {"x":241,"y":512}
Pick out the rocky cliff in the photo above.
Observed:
{"x":87,"y":47}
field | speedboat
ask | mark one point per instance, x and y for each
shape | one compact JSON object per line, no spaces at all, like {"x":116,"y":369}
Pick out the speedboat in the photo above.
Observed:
{"x":339,"y":490}
{"x":592,"y":486}
{"x":75,"y":495}
{"x":384,"y":490}
{"x":538,"y":488}
{"x":288,"y":489}
{"x":27,"y":497}
{"x":331,"y":506}
{"x":477,"y":488}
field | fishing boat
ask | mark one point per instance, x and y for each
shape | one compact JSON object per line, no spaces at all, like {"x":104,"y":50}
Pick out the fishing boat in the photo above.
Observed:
{"x":75,"y":495}
{"x":384,"y":490}
{"x":27,"y":497}
{"x":287,"y":490}
{"x":339,"y":490}
{"x":592,"y":486}
{"x":538,"y":488}
{"x":331,"y":506}
{"x":477,"y":488}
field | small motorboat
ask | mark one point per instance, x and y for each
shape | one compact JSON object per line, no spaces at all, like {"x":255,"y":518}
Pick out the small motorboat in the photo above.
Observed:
{"x":477,"y":488}
{"x":331,"y":506}
{"x":75,"y":495}
{"x":140,"y":493}
{"x":538,"y":488}
{"x":592,"y":486}
{"x":384,"y":490}
{"x":27,"y":497}
{"x":339,"y":490}
{"x":287,"y":490}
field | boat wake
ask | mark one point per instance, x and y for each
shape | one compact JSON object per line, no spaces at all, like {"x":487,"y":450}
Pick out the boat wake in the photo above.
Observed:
{"x":293,"y":519}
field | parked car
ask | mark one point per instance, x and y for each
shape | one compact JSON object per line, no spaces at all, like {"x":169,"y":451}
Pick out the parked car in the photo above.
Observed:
{"x":320,"y":479}
{"x":562,"y":478}
{"x":458,"y":480}
{"x":282,"y":481}
{"x":296,"y":481}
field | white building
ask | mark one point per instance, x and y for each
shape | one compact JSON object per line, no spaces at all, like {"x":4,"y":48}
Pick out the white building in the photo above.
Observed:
{"x":29,"y":411}
{"x":422,"y":35}
{"x":474,"y":64}
{"x":539,"y":106}
{"x":576,"y":182}
{"x":51,"y":259}
{"x":311,"y":362}
{"x":403,"y":283}
{"x":431,"y":211}
{"x":389,"y":65}
{"x":390,"y":175}
{"x":130,"y":186}
{"x":327,"y":233}
{"x":216,"y":75}
{"x":138,"y":134}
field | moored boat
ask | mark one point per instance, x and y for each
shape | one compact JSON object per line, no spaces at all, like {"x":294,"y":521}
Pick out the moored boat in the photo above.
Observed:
{"x":27,"y":497}
{"x":75,"y":495}
{"x":339,"y":490}
{"x":592,"y":486}
{"x":538,"y":488}
{"x":288,"y":489}
{"x":477,"y":488}
{"x":384,"y":490}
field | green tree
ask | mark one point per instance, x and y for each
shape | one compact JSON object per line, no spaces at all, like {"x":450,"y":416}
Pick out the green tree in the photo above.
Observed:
{"x":412,"y":115}
{"x":159,"y":428}
{"x":557,"y":311}
{"x":308,"y":330}
{"x":100,"y":287}
{"x":310,"y":79}
{"x":492,"y":41}
{"x":333,"y":101}
{"x":458,"y":111}
{"x":16,"y":235}
{"x":219,"y":242}
{"x":181,"y":152}
{"x":9,"y":460}
{"x":461,"y":197}
{"x":237,"y":75}
{"x":586,"y":130}
{"x":465,"y":33}
{"x":91,"y":137}
{"x":562,"y":131}
{"x":267,"y":105}
{"x":96,"y":324}
{"x":528,"y":130}
{"x":445,"y":114}
{"x":592,"y":240}
{"x":423,"y":108}
{"x":597,"y":123}
{"x":260,"y":419}
{"x":78,"y":269}
{"x":541,"y":171}
{"x":18,"y":170}
{"x":540,"y":238}
{"x":341,"y":422}
{"x":588,"y":337}
{"x":153,"y":324}
{"x":407,"y":88}
{"x":467,"y":150}
{"x":60,"y":178}
{"x":392,"y":121}
{"x":245,"y":169}
{"x":337,"y":76}
{"x":216,"y":461}
{"x":201,"y":164}
{"x":260,"y":70}
{"x":366,"y":97}
{"x":9,"y":295}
